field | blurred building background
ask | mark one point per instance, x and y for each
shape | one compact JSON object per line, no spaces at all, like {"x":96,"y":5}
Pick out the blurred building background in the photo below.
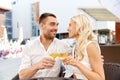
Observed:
{"x":3,"y":22}
{"x":20,"y":22}
{"x":105,"y":18}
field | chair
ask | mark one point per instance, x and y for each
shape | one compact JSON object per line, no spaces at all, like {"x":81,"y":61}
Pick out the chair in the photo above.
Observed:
{"x":112,"y":71}
{"x":16,"y":77}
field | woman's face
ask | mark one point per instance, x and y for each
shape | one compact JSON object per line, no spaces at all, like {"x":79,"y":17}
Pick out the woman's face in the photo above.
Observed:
{"x":72,"y":29}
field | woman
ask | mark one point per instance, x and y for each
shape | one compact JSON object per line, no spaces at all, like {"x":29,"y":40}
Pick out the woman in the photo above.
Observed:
{"x":86,"y":59}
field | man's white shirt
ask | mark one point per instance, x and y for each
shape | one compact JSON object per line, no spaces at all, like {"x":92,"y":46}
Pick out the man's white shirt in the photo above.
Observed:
{"x":34,"y":51}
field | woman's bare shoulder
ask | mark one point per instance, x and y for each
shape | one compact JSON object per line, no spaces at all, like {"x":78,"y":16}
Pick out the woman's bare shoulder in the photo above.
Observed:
{"x":93,"y":47}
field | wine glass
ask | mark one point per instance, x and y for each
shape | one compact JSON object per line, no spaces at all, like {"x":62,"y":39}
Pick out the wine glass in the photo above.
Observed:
{"x":63,"y":54}
{"x":53,"y":55}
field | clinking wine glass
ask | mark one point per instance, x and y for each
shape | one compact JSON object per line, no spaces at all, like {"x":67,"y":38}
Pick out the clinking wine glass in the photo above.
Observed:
{"x":62,"y":54}
{"x":54,"y":55}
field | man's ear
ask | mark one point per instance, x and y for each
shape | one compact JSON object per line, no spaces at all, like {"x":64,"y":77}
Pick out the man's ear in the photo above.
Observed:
{"x":41,"y":25}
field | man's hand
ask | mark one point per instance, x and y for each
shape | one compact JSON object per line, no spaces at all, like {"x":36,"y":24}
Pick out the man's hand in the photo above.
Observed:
{"x":45,"y":63}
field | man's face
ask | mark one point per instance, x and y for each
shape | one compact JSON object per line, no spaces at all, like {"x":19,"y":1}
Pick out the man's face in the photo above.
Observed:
{"x":50,"y":27}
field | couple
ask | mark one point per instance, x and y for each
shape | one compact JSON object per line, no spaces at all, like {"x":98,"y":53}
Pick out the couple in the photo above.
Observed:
{"x":85,"y":61}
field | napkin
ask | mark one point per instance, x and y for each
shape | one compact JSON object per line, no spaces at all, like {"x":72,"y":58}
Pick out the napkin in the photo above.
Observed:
{"x":68,"y":72}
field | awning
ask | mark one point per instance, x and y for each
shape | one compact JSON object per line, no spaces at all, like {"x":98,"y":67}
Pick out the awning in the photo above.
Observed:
{"x":101,"y":14}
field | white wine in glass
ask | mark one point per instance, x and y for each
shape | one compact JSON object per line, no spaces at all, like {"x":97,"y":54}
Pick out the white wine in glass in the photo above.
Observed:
{"x":53,"y":55}
{"x":62,"y":55}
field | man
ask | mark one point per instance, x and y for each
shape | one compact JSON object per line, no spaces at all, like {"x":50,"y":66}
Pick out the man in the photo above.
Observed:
{"x":36,"y":61}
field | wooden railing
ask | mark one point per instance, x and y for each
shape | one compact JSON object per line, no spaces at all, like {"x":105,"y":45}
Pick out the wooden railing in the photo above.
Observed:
{"x":111,"y":53}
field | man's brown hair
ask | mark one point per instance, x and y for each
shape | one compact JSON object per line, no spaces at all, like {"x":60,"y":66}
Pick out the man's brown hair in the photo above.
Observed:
{"x":44,"y":16}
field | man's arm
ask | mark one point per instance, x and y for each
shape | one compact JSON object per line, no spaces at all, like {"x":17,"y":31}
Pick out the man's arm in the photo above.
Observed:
{"x":45,"y":63}
{"x":28,"y":72}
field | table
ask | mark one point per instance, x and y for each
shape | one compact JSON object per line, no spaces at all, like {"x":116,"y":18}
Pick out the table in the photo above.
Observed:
{"x":51,"y":78}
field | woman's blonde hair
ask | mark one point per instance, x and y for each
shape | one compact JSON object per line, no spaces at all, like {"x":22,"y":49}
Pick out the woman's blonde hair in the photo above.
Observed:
{"x":84,"y":32}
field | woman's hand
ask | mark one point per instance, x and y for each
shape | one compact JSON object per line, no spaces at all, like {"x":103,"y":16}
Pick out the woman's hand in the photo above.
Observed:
{"x":102,"y":58}
{"x":70,"y":61}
